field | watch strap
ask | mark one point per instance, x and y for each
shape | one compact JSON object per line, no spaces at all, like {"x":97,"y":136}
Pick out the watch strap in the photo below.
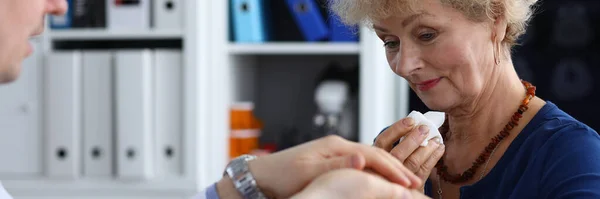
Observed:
{"x":242,"y":178}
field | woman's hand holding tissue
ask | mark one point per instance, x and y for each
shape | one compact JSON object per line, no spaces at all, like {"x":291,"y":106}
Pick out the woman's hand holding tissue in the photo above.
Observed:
{"x":355,"y":184}
{"x":420,"y":160}
{"x":285,"y":173}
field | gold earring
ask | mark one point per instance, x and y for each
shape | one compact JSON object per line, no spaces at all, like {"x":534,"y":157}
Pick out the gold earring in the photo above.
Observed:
{"x":497,"y":54}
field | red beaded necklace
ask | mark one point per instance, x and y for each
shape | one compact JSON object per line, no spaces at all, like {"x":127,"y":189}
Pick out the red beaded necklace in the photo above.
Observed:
{"x":442,"y":169}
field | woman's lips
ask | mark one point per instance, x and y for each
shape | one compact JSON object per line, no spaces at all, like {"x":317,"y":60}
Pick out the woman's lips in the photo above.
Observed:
{"x":428,"y":85}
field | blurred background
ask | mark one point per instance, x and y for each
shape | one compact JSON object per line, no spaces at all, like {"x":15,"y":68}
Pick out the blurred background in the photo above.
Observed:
{"x":151,"y":98}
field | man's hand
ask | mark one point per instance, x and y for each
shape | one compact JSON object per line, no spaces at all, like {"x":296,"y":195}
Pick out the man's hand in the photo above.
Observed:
{"x":283,"y":174}
{"x":354,"y":184}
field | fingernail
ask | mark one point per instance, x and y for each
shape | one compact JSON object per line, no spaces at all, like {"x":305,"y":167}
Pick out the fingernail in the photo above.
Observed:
{"x":441,"y":147}
{"x":408,"y":121}
{"x":424,"y":130}
{"x":354,"y":162}
{"x":434,"y":143}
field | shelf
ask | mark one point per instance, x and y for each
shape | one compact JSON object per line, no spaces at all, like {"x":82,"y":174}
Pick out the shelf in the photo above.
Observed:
{"x":294,"y":48}
{"x":100,"y":186}
{"x":103,"y":34}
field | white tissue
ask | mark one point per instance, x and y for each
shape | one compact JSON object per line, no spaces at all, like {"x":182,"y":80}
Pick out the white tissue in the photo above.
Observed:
{"x":433,"y":120}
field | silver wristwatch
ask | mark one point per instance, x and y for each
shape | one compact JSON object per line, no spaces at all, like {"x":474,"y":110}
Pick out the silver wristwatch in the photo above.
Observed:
{"x":242,"y":178}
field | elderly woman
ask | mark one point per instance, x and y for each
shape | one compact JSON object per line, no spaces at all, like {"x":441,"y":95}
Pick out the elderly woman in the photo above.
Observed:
{"x":500,"y":139}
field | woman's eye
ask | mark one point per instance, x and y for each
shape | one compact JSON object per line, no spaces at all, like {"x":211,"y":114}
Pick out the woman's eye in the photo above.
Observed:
{"x":427,"y":36}
{"x":390,"y":45}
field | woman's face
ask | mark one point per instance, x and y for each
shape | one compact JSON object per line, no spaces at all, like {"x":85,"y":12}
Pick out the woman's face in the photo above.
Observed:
{"x":445,"y":57}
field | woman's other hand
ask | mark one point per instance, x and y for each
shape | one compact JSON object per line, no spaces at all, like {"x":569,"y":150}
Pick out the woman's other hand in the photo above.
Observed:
{"x":355,"y":184}
{"x":417,"y":159}
{"x":285,"y":173}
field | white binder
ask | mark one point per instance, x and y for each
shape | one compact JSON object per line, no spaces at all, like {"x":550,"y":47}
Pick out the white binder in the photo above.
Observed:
{"x":62,"y":115}
{"x":20,"y":119}
{"x":168,"y":116}
{"x":134,"y":114}
{"x":168,"y":14}
{"x":97,"y":114}
{"x":128,"y":14}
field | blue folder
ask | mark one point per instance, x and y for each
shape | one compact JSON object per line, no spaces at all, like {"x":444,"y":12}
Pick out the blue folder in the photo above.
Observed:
{"x":248,"y":17}
{"x":65,"y":21}
{"x":309,"y":19}
{"x":341,"y":32}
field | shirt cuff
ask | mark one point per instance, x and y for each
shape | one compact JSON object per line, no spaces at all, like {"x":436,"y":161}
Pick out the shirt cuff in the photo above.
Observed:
{"x":209,"y":193}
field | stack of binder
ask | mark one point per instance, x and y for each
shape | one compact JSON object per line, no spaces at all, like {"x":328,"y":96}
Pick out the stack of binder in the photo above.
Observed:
{"x":113,"y":114}
{"x":252,"y":24}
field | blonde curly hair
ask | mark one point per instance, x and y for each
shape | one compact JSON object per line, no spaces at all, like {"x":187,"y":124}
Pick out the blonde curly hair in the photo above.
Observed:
{"x":516,"y":12}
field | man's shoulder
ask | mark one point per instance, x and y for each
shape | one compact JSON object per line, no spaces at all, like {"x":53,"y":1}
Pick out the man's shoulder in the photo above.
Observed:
{"x":3,"y":193}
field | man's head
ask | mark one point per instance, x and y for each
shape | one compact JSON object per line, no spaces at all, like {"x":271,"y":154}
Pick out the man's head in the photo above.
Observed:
{"x":20,"y":20}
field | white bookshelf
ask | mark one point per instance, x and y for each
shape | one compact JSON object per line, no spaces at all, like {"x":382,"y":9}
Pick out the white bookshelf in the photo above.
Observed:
{"x":99,"y":34}
{"x":99,"y":186}
{"x":383,"y":96}
{"x":290,"y":48}
{"x":218,"y":72}
{"x":195,"y":149}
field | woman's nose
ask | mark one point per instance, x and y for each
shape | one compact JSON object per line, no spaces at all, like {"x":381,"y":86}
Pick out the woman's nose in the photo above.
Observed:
{"x":408,"y":60}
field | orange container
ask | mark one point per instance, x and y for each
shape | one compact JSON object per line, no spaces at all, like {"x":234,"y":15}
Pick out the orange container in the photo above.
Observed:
{"x":245,"y":129}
